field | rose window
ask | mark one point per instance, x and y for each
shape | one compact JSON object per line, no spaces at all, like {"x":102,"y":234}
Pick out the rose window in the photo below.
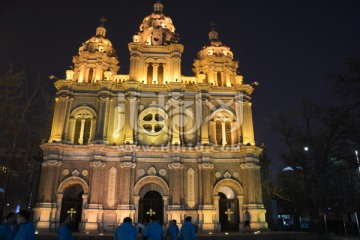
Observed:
{"x":152,"y":121}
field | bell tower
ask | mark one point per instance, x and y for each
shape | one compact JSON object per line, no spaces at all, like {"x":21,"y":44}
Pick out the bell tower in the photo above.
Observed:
{"x":96,"y":60}
{"x":155,"y":52}
{"x":215,"y":64}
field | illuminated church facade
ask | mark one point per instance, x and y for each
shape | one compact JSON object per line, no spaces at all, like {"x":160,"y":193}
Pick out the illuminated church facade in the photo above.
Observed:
{"x":153,"y":142}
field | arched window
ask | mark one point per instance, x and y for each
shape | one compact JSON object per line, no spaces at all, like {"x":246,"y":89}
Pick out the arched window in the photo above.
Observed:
{"x":219,"y":80}
{"x":222,"y":128}
{"x":91,"y":73}
{"x":82,"y":125}
{"x":161,"y":73}
{"x":150,"y":73}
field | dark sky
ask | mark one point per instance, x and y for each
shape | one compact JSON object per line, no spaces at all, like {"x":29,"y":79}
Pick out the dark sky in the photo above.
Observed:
{"x":287,"y":46}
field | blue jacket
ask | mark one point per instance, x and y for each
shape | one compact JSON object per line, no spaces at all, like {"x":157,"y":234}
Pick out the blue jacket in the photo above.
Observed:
{"x":187,"y":231}
{"x":26,"y":232}
{"x":64,"y":233}
{"x":7,"y":232}
{"x":153,"y":231}
{"x":126,"y":231}
{"x":173,"y":232}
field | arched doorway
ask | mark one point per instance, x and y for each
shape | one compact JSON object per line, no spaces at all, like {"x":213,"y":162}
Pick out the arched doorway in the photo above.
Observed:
{"x":151,"y":204}
{"x":71,"y":204}
{"x":228,"y":210}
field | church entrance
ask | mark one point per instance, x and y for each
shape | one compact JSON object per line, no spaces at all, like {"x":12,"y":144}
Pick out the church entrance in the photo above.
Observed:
{"x":228,"y":213}
{"x":152,"y":204}
{"x":72,"y":205}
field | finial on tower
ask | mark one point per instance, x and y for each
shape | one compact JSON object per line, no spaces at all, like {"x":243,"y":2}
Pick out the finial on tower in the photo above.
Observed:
{"x":213,"y":34}
{"x":158,"y":7}
{"x":102,"y":21}
{"x":100,"y":30}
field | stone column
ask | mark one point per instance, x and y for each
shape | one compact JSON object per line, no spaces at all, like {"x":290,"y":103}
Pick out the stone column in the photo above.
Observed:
{"x":216,"y":199}
{"x":205,"y":122}
{"x":234,"y":140}
{"x":205,"y":171}
{"x":213,"y":132}
{"x":174,"y":182}
{"x":96,"y":176}
{"x":61,"y":112}
{"x":71,"y":131}
{"x":241,"y":212}
{"x":247,"y":127}
{"x":223,"y":134}
{"x":82,"y":127}
{"x":239,"y":115}
{"x":176,"y":121}
{"x":126,"y":168}
{"x":102,"y":108}
{"x":131,"y":120}
{"x":250,"y":173}
{"x":51,"y":181}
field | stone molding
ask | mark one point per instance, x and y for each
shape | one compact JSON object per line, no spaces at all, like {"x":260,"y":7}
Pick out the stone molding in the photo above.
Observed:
{"x":206,"y":166}
{"x":127,"y":165}
{"x":97,"y":164}
{"x":176,"y":166}
{"x":51,"y":163}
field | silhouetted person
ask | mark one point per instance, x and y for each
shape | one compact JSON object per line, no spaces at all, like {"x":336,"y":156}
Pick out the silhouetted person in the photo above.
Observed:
{"x":154,"y":230}
{"x":173,"y":231}
{"x":247,"y":220}
{"x":26,"y":227}
{"x":187,"y":230}
{"x":64,"y":232}
{"x":8,"y":229}
{"x":126,"y":231}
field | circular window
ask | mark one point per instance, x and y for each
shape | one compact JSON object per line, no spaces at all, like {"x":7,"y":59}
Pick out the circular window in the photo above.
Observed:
{"x":152,"y":121}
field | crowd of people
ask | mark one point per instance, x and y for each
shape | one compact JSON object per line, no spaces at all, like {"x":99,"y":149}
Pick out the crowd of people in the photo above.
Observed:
{"x":20,"y":227}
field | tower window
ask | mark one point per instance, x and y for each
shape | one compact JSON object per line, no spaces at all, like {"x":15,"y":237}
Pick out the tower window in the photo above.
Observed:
{"x":161,"y":73}
{"x":91,"y":73}
{"x":82,"y":130}
{"x":150,"y":73}
{"x":219,"y":80}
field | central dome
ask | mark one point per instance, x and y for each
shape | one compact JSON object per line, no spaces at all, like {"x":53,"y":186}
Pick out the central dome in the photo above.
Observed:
{"x":156,"y":29}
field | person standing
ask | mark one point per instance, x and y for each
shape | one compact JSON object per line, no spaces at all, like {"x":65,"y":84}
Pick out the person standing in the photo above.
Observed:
{"x":64,"y":232}
{"x":187,"y":230}
{"x":126,"y":231}
{"x":8,"y":229}
{"x":26,"y":227}
{"x":173,"y":231}
{"x":154,"y":230}
{"x":247,"y":220}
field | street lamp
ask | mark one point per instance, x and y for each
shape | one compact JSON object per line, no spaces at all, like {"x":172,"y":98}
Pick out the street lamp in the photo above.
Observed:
{"x":306,"y":148}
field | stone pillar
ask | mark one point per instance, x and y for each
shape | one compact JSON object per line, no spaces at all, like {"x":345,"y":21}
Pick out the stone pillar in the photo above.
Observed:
{"x":234,"y":140}
{"x":126,"y":168}
{"x":247,"y":127}
{"x":174,"y":182}
{"x":71,"y":131}
{"x":241,"y":212}
{"x":96,"y":177}
{"x":53,"y":167}
{"x":103,"y":99}
{"x":205,"y":122}
{"x":82,"y":127}
{"x":205,"y":171}
{"x":223,"y":134}
{"x":131,"y":119}
{"x":176,"y":120}
{"x":61,"y":112}
{"x":213,"y":132}
{"x":239,"y":115}
{"x":216,"y":199}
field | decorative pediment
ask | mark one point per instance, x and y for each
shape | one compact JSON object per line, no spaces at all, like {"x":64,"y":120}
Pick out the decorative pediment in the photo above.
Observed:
{"x":227,"y":174}
{"x":75,"y":173}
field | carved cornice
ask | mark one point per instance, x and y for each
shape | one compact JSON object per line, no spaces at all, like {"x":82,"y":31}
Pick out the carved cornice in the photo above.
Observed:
{"x":176,"y":166}
{"x":97,"y":164}
{"x":206,"y":166}
{"x":127,"y":165}
{"x":249,"y":165}
{"x":51,"y":163}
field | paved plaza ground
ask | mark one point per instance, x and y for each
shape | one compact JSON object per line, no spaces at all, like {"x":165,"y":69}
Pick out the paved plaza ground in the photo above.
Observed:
{"x":269,"y":235}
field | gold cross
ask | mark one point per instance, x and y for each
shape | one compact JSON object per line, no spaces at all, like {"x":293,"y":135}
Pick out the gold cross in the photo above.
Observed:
{"x":71,"y":212}
{"x":229,"y":213}
{"x":150,"y":212}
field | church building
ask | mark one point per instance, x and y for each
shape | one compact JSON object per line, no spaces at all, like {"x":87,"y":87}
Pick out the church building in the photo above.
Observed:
{"x":152,"y":142}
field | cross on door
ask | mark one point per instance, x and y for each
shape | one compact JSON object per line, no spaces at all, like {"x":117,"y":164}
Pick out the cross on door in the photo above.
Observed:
{"x":71,"y":212}
{"x":229,"y":213}
{"x":150,"y":212}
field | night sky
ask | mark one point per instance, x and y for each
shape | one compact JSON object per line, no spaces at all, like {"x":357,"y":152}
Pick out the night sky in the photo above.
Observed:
{"x":287,"y":46}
